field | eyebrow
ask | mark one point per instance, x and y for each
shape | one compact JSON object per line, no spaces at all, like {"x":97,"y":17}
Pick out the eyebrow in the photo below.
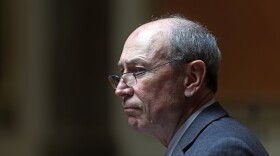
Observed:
{"x":133,"y":61}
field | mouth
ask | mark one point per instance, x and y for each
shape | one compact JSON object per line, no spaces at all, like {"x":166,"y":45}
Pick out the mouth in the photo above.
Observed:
{"x":131,"y":110}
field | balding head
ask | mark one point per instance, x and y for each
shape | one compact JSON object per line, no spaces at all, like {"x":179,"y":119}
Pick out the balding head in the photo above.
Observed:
{"x":154,"y":92}
{"x":177,"y":38}
{"x":151,"y":37}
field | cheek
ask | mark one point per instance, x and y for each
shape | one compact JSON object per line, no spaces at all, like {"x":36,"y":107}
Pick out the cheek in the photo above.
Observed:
{"x":159,"y":97}
{"x":150,"y":93}
{"x":160,"y":93}
{"x":160,"y":90}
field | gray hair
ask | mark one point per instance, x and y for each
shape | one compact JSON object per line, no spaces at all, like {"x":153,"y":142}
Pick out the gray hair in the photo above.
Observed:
{"x":191,"y":41}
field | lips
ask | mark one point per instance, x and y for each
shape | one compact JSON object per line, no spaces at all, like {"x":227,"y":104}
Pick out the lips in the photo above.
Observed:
{"x":131,"y":110}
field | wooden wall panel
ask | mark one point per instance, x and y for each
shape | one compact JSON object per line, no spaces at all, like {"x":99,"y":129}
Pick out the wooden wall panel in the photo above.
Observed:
{"x":248,"y":36}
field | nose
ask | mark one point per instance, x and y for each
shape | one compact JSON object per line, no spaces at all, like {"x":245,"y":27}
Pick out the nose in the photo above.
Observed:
{"x":123,"y":89}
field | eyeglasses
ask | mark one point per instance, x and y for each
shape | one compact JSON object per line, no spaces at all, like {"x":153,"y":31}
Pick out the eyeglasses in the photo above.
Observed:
{"x":130,"y":78}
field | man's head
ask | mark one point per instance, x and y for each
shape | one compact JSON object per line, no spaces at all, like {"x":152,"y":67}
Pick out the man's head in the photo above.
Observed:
{"x":167,"y":68}
{"x":190,"y":41}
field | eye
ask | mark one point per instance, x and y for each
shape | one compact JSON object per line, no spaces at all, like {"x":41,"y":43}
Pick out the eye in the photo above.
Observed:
{"x":139,"y":71}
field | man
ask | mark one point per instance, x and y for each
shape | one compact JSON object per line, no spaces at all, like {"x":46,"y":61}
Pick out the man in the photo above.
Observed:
{"x":169,"y":78}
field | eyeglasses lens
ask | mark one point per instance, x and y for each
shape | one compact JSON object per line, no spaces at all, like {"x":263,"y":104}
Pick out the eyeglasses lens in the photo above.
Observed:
{"x":114,"y":80}
{"x":129,"y":79}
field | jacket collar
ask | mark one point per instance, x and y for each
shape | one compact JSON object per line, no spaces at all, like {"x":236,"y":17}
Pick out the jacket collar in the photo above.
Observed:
{"x":206,"y":117}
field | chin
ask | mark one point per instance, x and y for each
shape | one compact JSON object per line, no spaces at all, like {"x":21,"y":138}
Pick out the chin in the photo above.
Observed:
{"x":136,"y":124}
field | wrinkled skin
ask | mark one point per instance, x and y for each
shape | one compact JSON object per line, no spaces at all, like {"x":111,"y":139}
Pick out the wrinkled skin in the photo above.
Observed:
{"x":158,"y":103}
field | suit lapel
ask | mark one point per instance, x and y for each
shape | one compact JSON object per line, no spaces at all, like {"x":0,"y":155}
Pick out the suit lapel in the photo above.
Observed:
{"x":206,"y":117}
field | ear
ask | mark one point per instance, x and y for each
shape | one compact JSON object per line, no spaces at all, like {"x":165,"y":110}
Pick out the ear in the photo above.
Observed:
{"x":196,"y":71}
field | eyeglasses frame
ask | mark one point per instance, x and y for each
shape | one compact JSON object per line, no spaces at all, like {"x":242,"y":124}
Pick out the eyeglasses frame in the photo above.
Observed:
{"x":116,"y":78}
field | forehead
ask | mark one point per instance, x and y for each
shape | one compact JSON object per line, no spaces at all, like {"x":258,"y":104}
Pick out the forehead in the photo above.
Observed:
{"x":147,"y":43}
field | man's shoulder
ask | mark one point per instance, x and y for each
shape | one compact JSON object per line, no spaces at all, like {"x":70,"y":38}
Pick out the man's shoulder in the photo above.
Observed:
{"x":226,"y":136}
{"x":222,"y":133}
{"x":226,"y":128}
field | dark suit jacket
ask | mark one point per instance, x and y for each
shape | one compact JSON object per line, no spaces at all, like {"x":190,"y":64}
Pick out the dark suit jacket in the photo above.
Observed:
{"x":214,"y":133}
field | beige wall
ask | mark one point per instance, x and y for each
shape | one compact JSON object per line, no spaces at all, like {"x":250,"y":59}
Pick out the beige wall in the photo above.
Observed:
{"x":248,"y":36}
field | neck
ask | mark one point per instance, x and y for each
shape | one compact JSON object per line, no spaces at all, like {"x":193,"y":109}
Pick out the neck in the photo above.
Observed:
{"x":195,"y":103}
{"x":191,"y":106}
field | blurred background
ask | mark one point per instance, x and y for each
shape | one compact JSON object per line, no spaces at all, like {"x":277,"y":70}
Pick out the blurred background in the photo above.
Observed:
{"x":55,"y":57}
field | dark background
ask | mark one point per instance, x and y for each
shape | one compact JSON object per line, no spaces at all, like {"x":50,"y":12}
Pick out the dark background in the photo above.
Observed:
{"x":55,"y":57}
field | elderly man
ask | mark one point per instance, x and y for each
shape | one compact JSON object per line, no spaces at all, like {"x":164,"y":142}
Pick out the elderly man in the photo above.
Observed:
{"x":169,"y":78}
